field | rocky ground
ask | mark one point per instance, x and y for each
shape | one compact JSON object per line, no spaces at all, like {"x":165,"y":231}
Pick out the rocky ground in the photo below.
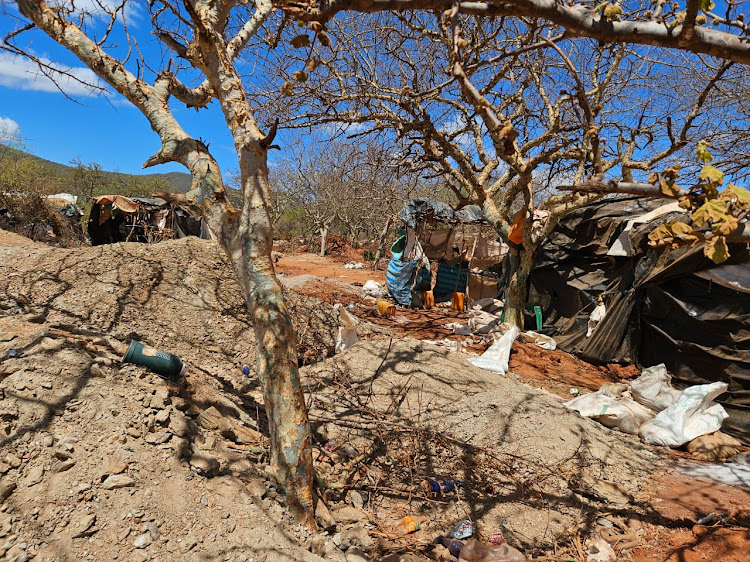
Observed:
{"x":100,"y":460}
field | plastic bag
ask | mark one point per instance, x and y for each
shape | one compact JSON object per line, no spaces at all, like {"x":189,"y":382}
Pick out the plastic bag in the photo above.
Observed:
{"x":622,"y":413}
{"x":347,"y":335}
{"x":596,"y":316}
{"x":539,"y":340}
{"x":653,"y":388}
{"x":694,"y":414}
{"x":374,"y":289}
{"x":497,"y":356}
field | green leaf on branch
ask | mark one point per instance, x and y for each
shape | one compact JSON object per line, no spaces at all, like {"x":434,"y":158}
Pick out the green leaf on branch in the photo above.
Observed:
{"x":612,"y":12}
{"x":712,"y":175}
{"x":702,"y":154}
{"x":707,"y":5}
{"x":713,"y":210}
{"x":716,"y":249}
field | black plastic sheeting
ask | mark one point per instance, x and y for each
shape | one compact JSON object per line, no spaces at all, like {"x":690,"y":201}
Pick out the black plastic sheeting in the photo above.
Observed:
{"x":657,"y":310}
{"x":417,"y":209}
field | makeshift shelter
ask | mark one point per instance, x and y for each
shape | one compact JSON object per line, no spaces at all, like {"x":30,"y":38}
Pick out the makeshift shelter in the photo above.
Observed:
{"x":662,"y":306}
{"x":462,"y":243}
{"x":115,"y":218}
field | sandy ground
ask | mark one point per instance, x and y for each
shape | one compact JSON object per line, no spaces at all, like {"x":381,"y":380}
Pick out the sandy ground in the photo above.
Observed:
{"x":101,"y":460}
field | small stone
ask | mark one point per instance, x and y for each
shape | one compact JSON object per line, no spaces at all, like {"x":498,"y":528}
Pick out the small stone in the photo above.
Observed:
{"x":48,"y":441}
{"x":162,"y":417}
{"x":97,"y":372}
{"x":46,"y":384}
{"x":226,"y":515}
{"x":35,"y":476}
{"x":143,"y":540}
{"x":12,"y":460}
{"x":188,"y":545}
{"x":203,"y":463}
{"x":6,"y":489}
{"x":354,"y":554}
{"x":158,"y":438}
{"x":212,"y":419}
{"x":84,"y":526}
{"x":348,"y":514}
{"x":118,"y":481}
{"x":62,"y":466}
{"x":357,"y":537}
{"x":62,"y":455}
{"x":4,"y":467}
{"x":153,"y":529}
{"x":257,"y":488}
{"x":355,"y":498}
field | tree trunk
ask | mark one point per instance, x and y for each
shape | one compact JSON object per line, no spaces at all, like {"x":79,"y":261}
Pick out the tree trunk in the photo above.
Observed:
{"x":323,"y":236}
{"x":382,"y":241}
{"x":517,"y":293}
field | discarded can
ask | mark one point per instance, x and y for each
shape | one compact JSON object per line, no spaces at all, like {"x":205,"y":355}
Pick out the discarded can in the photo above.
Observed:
{"x":496,"y":538}
{"x":164,"y":364}
{"x":246,"y":370}
{"x":463,"y":530}
{"x":12,"y":353}
{"x":441,"y":486}
{"x":453,"y":546}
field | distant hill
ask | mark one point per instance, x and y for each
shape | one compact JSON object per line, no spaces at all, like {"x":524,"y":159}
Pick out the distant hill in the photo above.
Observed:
{"x":179,"y":181}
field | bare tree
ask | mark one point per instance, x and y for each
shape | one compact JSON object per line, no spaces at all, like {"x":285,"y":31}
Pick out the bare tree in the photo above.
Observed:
{"x":498,"y":110}
{"x":688,"y":25}
{"x":206,"y":37}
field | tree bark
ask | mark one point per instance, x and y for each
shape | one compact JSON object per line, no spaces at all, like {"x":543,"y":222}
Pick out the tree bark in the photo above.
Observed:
{"x":246,"y":236}
{"x":323,"y":237}
{"x":382,"y":241}
{"x":517,"y":294}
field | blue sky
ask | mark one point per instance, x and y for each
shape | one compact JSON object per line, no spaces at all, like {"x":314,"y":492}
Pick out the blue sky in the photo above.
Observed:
{"x":102,"y":129}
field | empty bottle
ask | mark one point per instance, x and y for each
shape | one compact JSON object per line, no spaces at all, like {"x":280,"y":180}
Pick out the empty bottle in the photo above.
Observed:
{"x":410,"y":524}
{"x":474,"y":551}
{"x":440,"y":486}
{"x":454,"y":546}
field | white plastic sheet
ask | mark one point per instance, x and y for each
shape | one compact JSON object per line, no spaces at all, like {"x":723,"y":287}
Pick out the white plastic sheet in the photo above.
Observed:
{"x":692,"y":415}
{"x":497,"y":356}
{"x":597,"y":315}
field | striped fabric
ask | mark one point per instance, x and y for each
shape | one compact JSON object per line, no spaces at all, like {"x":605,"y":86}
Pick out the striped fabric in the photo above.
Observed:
{"x":399,"y":279}
{"x":450,"y":280}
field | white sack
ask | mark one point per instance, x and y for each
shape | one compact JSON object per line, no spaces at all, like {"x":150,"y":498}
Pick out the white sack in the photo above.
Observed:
{"x":497,"y":356}
{"x":596,"y":316}
{"x":694,"y":414}
{"x":654,"y":389}
{"x":374,"y":289}
{"x":622,"y":413}
{"x":540,"y":340}
{"x":347,"y":335}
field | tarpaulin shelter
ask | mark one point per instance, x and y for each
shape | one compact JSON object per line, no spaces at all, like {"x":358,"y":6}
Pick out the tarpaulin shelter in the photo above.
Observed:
{"x":115,"y":218}
{"x":461,"y":242}
{"x":663,"y":306}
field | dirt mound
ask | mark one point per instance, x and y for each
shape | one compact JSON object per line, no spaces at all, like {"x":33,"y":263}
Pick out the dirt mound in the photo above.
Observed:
{"x":531,"y":468}
{"x":11,"y":239}
{"x":180,"y":295}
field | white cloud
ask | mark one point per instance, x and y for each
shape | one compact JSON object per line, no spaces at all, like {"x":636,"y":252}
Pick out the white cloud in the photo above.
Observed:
{"x":9,"y":130}
{"x":23,"y":74}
